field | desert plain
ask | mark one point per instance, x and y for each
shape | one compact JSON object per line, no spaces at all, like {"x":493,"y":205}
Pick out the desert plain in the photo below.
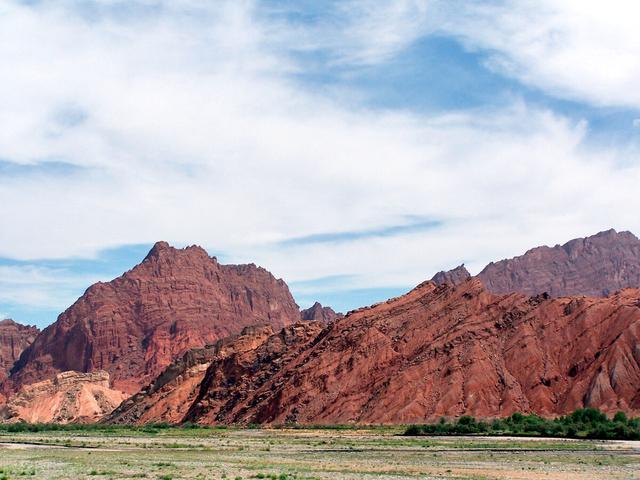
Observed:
{"x":305,"y":454}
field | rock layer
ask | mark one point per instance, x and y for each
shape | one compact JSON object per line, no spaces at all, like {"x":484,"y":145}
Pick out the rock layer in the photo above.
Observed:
{"x":594,"y":266}
{"x":69,"y":397}
{"x":134,"y":326}
{"x":437,"y":351}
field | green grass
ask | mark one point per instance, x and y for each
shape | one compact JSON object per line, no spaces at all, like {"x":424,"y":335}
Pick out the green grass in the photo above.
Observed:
{"x":586,"y":423}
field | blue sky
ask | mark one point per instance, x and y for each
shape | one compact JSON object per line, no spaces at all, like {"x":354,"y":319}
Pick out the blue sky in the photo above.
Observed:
{"x":352,"y":147}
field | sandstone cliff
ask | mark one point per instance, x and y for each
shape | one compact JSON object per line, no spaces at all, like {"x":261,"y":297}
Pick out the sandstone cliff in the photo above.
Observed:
{"x":134,"y":326}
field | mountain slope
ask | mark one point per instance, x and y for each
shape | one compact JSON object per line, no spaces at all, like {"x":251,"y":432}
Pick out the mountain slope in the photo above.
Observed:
{"x":137,"y":324}
{"x":440,"y":351}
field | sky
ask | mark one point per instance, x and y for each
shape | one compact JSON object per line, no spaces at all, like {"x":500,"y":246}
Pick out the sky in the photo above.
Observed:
{"x":353,"y":147}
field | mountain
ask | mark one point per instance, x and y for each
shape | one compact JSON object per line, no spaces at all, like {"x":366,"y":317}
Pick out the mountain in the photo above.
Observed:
{"x":594,"y":266}
{"x":68,"y":397}
{"x":133,"y":327}
{"x":318,"y":313}
{"x":436,"y":351}
{"x":452,"y":277}
{"x":14,"y":338}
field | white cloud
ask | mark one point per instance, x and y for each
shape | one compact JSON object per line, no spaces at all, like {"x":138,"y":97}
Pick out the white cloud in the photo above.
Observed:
{"x":40,"y":287}
{"x":184,"y":125}
{"x":586,"y":50}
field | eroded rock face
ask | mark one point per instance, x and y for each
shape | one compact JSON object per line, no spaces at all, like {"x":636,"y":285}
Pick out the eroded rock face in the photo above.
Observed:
{"x":318,"y":313}
{"x":594,"y":266}
{"x":68,"y":397}
{"x":169,"y":396}
{"x":134,"y":326}
{"x":437,"y":351}
{"x":14,"y":338}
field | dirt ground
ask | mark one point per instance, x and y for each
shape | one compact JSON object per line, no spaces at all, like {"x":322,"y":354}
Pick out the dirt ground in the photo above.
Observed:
{"x":307,"y":454}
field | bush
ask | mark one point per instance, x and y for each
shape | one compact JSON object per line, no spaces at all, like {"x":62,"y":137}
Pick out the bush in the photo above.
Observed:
{"x":583,"y":423}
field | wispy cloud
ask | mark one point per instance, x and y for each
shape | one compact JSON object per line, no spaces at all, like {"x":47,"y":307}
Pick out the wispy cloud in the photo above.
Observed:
{"x":354,"y":235}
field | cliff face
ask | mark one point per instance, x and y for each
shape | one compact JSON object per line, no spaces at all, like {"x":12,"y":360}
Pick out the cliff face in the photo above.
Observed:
{"x":136,"y":325}
{"x":594,"y":266}
{"x":14,"y":338}
{"x":437,"y":351}
{"x":68,"y":397}
{"x":318,"y":313}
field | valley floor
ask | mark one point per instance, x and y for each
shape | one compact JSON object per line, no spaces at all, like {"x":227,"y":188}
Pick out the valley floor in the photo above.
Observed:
{"x":172,"y":454}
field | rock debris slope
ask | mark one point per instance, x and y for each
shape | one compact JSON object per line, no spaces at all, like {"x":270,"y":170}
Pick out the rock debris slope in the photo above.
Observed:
{"x":68,"y":397}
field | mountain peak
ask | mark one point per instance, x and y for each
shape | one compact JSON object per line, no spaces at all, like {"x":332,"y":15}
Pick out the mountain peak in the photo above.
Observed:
{"x":452,"y":277}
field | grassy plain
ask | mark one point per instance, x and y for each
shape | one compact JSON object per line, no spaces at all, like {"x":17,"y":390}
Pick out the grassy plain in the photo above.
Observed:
{"x":287,"y":454}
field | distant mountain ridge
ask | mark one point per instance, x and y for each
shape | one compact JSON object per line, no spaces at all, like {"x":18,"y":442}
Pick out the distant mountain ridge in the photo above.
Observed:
{"x":318,"y":313}
{"x":594,"y":266}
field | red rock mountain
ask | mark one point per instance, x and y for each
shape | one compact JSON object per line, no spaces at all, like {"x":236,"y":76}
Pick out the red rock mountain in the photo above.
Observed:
{"x":318,"y":313}
{"x":14,"y":338}
{"x":136,"y":325}
{"x":594,"y":266}
{"x":438,"y":350}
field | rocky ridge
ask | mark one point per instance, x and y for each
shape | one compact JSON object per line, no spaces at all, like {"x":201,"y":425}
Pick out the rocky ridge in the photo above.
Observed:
{"x":133,"y":327}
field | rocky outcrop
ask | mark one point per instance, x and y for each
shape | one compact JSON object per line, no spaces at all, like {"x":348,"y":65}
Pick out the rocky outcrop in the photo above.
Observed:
{"x":68,"y":397}
{"x":594,"y":266}
{"x":318,"y":313}
{"x":437,"y":351}
{"x":233,"y":386}
{"x":14,"y":338}
{"x":452,"y":277}
{"x":169,"y":396}
{"x":134,"y":326}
